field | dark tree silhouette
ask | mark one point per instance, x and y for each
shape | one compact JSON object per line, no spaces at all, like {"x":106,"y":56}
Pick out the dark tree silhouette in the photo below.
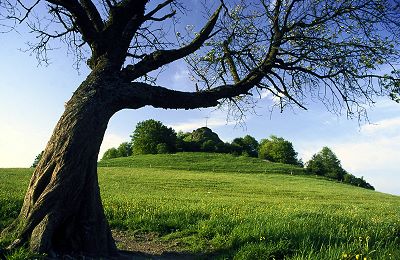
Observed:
{"x":292,"y":48}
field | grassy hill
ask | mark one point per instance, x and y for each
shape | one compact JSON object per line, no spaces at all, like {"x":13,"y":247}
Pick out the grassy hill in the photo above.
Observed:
{"x":227,"y":214}
{"x":216,"y":162}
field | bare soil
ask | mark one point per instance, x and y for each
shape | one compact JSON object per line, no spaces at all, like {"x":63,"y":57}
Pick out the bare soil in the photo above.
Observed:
{"x":149,"y":246}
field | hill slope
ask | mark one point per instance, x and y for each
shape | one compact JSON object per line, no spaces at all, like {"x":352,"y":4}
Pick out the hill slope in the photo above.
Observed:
{"x":216,"y":162}
{"x":236,"y":215}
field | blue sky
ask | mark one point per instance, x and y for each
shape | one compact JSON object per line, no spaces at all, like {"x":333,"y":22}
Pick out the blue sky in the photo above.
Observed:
{"x":32,"y":99}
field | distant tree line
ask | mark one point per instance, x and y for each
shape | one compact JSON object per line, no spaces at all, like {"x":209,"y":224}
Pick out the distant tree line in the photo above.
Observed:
{"x":153,"y":137}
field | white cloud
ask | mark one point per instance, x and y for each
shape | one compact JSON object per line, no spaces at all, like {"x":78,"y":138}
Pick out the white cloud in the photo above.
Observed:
{"x":372,"y":152}
{"x":383,"y":127}
{"x":194,"y":124}
{"x":365,"y":155}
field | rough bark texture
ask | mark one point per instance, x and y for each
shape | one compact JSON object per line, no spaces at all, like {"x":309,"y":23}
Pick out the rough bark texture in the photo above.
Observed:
{"x":62,"y":209}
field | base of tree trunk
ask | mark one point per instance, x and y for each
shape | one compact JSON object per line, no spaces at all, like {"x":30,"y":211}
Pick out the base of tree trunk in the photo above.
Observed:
{"x":64,"y":222}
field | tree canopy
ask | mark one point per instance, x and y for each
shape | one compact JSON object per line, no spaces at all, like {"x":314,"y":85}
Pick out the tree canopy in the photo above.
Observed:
{"x":37,"y":159}
{"x":246,"y":145}
{"x":326,"y":163}
{"x":152,"y":137}
{"x":343,"y":53}
{"x":277,"y":149}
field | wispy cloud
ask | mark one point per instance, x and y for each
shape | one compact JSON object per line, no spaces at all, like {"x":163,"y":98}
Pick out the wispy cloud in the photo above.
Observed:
{"x":383,"y":127}
{"x":181,"y":76}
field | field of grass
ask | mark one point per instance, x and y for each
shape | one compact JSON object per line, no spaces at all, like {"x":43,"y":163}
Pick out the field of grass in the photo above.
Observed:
{"x":227,"y":215}
{"x":215,"y":162}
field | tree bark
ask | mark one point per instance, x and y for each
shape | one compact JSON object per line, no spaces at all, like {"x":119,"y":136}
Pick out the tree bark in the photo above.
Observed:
{"x":62,"y":210}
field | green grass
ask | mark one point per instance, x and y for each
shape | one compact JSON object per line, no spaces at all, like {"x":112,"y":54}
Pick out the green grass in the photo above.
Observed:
{"x":215,"y":162}
{"x":239,"y":216}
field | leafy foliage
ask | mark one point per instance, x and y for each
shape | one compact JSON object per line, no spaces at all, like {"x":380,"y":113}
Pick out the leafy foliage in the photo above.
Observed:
{"x":149,"y":134}
{"x":277,"y":149}
{"x":325,"y":163}
{"x":110,"y":154}
{"x":246,"y":145}
{"x":202,"y":139}
{"x":124,"y":149}
{"x":37,"y":159}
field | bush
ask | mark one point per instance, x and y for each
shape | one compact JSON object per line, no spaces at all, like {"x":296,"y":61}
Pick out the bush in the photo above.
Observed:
{"x":247,"y":146}
{"x":208,"y":146}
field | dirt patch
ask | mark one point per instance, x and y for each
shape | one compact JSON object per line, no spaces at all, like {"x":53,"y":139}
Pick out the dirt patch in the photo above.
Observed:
{"x":134,"y":245}
{"x":148,"y":243}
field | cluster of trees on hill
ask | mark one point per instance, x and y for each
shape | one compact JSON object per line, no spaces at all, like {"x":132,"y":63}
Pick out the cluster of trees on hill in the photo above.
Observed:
{"x":153,"y":137}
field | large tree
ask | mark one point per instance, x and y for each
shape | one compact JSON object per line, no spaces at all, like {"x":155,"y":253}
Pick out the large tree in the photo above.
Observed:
{"x":323,"y":49}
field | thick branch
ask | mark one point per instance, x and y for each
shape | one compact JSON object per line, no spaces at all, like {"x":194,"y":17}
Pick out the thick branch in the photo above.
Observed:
{"x":82,"y":20}
{"x":93,"y":14}
{"x":160,"y":58}
{"x":138,"y":94}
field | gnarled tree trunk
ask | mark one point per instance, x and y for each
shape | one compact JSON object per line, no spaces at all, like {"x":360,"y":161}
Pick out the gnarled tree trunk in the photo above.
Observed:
{"x":62,"y":209}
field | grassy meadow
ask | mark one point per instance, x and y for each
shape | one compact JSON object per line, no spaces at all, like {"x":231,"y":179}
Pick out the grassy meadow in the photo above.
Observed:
{"x":232,"y":214}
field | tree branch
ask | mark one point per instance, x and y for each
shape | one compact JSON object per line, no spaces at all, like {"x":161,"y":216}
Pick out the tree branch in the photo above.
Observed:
{"x":138,"y":94}
{"x":82,"y":20}
{"x":160,"y":58}
{"x":93,"y":14}
{"x":149,"y":15}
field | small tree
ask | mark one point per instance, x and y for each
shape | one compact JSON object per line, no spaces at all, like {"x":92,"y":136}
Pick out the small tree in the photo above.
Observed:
{"x":124,"y":149}
{"x":148,"y":134}
{"x":277,"y":149}
{"x":37,"y":159}
{"x":327,"y":164}
{"x":110,"y":154}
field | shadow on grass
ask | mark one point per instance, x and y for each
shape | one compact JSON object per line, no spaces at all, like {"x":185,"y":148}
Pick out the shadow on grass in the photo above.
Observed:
{"x":127,"y":255}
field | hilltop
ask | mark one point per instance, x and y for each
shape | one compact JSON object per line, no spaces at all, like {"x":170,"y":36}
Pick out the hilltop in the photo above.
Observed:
{"x":200,"y":161}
